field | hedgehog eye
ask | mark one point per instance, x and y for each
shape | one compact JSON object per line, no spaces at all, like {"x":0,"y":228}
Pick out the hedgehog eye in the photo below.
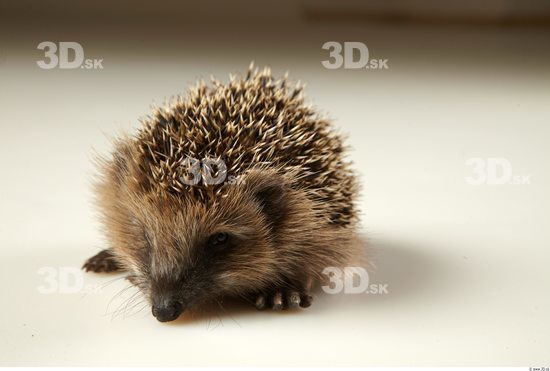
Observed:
{"x":218,"y":239}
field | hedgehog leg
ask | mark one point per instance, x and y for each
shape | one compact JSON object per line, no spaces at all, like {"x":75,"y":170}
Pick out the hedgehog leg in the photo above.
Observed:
{"x":290,"y":299}
{"x":283,"y":299}
{"x":286,"y":298}
{"x":104,"y":261}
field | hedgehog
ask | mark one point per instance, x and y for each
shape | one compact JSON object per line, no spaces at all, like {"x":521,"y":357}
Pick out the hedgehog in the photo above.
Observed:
{"x":238,"y":189}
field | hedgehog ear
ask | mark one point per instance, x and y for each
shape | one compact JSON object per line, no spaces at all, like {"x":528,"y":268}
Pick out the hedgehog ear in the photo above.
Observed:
{"x":270,"y":190}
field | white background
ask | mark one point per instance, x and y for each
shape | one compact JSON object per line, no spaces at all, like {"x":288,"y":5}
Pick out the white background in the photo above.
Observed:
{"x":466,"y":266}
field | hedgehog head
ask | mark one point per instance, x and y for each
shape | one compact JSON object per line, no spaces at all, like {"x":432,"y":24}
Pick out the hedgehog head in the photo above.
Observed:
{"x":185,"y":251}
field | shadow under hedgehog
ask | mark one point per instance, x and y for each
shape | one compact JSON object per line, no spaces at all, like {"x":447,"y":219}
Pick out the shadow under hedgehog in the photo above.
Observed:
{"x":185,"y":240}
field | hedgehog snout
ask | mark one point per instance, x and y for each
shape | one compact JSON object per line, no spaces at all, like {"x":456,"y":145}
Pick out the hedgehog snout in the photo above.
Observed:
{"x":167,"y":309}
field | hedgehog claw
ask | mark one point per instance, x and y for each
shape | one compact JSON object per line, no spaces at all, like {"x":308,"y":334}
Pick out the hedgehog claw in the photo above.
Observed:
{"x":293,"y":299}
{"x":101,"y":262}
{"x":305,"y":300}
{"x":260,"y":302}
{"x":277,"y":301}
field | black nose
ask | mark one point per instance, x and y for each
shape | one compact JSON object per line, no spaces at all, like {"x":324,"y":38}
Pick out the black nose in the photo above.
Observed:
{"x":167,"y":310}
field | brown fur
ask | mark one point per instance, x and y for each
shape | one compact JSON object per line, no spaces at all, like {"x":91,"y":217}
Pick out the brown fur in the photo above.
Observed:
{"x":291,"y":214}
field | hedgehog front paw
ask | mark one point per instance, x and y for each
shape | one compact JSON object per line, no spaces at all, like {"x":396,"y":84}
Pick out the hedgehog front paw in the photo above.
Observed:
{"x":283,"y":299}
{"x":104,"y":261}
